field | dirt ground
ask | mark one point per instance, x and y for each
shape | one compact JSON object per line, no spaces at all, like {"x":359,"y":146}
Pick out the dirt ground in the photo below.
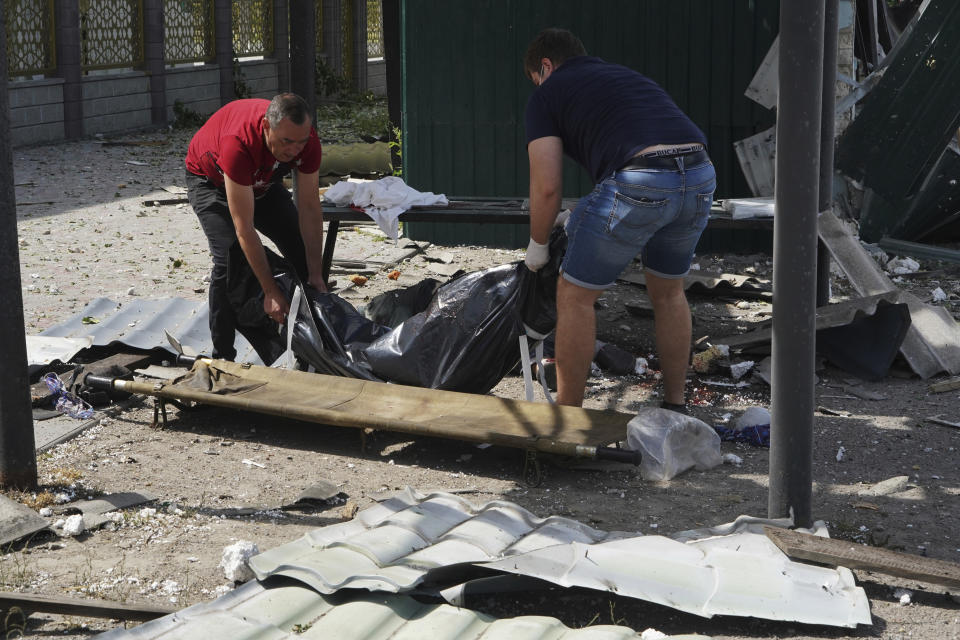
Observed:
{"x":220,"y":476}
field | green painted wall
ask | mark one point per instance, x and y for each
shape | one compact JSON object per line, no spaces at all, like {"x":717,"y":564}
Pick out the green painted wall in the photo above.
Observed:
{"x":464,"y":91}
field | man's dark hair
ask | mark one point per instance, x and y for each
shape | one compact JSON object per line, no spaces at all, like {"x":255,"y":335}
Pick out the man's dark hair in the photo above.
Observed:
{"x":289,"y":106}
{"x":556,"y":44}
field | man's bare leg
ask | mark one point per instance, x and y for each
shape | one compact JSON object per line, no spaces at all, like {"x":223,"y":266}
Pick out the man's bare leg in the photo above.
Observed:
{"x":576,"y":336}
{"x":673,"y":328}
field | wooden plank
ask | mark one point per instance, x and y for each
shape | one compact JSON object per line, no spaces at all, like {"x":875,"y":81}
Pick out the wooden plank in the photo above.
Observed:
{"x":33,"y":603}
{"x":945,"y":385}
{"x":804,"y":546}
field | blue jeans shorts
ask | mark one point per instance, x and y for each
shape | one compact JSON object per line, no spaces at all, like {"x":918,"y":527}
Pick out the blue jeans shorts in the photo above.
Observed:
{"x":658,"y":212}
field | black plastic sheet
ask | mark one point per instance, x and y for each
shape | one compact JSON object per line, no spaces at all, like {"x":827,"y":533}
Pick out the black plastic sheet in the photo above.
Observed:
{"x":466,"y":339}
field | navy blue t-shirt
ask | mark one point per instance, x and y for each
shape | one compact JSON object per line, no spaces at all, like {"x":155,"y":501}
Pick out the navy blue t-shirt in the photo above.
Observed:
{"x":605,"y":113}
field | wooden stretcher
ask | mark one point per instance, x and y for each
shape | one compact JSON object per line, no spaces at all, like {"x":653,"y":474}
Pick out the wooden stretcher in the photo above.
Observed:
{"x":351,"y":402}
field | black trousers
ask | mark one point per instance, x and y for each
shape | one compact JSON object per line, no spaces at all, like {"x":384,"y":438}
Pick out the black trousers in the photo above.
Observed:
{"x":275,"y":216}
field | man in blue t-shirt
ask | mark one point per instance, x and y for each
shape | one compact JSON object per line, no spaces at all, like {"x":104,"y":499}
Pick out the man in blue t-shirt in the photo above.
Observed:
{"x":654,"y":187}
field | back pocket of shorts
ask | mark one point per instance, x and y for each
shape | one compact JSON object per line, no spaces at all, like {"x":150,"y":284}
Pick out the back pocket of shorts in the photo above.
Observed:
{"x":634,"y":213}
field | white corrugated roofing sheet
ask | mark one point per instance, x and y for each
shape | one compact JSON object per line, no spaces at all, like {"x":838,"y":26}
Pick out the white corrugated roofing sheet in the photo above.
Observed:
{"x":392,"y":545}
{"x":732,"y":570}
{"x":740,"y":573}
{"x":287,"y":610}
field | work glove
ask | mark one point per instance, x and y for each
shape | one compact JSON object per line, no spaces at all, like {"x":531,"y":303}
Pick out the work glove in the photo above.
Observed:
{"x":537,"y":255}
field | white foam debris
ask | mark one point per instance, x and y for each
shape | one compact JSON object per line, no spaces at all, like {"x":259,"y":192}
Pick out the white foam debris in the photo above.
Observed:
{"x":74,"y":525}
{"x":732,"y":458}
{"x":234,"y":560}
{"x":905,"y":596}
{"x":899,"y":265}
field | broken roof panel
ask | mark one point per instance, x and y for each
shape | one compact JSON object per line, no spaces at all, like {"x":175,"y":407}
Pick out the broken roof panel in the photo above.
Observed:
{"x":907,"y":120}
{"x":720,"y":284}
{"x":897,"y":142}
{"x":394,"y":546}
{"x":739,"y":573}
{"x":140,"y":323}
{"x":282,"y":610}
{"x":932,"y":343}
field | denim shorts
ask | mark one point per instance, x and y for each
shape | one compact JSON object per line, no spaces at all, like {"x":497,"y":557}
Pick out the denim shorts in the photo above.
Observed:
{"x":659,"y":213}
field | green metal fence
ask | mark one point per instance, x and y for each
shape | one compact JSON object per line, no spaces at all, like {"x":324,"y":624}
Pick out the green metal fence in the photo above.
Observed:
{"x":30,"y":43}
{"x":374,"y":29}
{"x":188,"y":31}
{"x":111,"y":34}
{"x":252,"y":27}
{"x":464,"y":91}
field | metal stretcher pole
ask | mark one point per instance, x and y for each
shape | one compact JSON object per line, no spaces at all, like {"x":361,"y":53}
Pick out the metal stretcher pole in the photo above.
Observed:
{"x":341,"y":419}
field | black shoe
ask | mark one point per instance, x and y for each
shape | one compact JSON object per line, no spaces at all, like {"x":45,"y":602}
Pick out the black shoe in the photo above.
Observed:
{"x":679,"y":408}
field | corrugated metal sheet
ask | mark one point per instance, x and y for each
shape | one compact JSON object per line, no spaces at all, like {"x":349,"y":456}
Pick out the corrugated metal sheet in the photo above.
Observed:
{"x":740,"y":572}
{"x":897,"y":145}
{"x":932,"y":344}
{"x":289,"y":610}
{"x":837,"y":314}
{"x":141,"y":322}
{"x":732,"y":570}
{"x":393,"y":545}
{"x":465,"y":92}
{"x":721,"y":284}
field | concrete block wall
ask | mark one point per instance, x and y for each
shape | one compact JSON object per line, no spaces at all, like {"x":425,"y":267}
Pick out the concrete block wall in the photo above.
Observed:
{"x":36,"y":111}
{"x":260,"y":76}
{"x":116,"y":102}
{"x":196,"y":87}
{"x":377,"y":76}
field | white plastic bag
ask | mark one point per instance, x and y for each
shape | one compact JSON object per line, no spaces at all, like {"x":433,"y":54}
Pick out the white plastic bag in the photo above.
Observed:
{"x":671,"y":442}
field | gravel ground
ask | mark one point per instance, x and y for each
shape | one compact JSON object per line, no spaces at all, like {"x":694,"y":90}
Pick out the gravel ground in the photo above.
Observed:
{"x":220,"y":476}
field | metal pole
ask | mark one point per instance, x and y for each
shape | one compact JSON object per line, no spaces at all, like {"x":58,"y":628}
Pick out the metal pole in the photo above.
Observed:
{"x":18,"y":456}
{"x":795,"y":258}
{"x":827,"y":143}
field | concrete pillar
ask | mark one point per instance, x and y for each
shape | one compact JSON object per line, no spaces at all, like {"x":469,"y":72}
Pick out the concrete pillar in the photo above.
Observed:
{"x":391,"y":54}
{"x":281,"y":43}
{"x":359,"y":45}
{"x":303,"y":53}
{"x":153,"y":59}
{"x":223,"y":27}
{"x":332,"y":34}
{"x":18,"y":457}
{"x":67,"y":21}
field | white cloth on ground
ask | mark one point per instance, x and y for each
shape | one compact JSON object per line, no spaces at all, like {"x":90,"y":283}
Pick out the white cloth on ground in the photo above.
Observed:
{"x":383,"y":200}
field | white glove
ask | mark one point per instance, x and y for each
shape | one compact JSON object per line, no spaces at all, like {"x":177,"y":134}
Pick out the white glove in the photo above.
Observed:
{"x":562,"y":218}
{"x":537,"y":255}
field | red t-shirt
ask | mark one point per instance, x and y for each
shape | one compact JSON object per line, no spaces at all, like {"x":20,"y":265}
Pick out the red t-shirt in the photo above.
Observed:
{"x":231,"y":142}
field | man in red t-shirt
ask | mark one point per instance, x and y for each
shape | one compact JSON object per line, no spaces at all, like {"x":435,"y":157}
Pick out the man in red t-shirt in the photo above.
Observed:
{"x":235,"y":168}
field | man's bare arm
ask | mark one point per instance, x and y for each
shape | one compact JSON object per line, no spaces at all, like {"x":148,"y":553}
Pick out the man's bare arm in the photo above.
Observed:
{"x":546,"y":183}
{"x":241,"y":203}
{"x":310,"y":212}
